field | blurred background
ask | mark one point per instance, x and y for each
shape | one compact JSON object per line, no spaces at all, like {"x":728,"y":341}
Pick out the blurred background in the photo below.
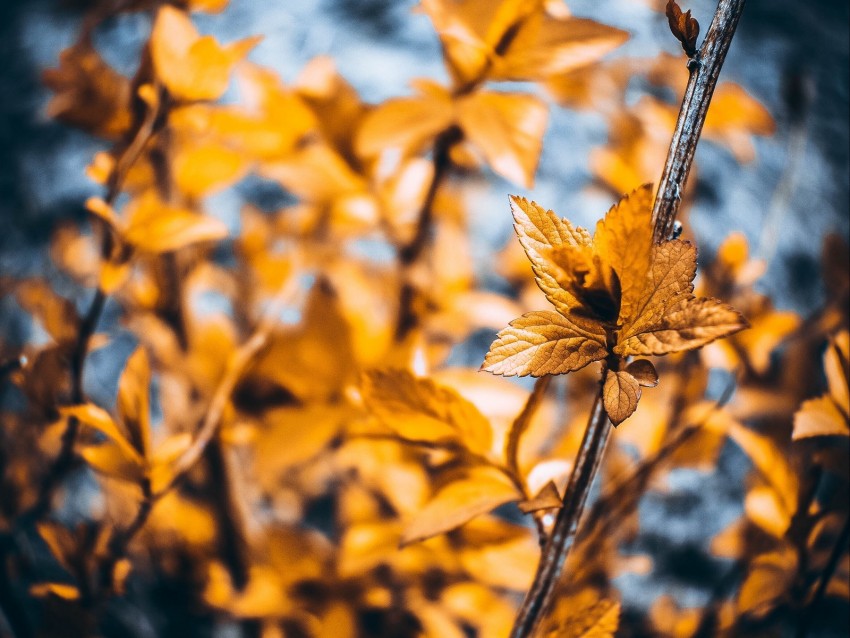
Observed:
{"x":792,"y":56}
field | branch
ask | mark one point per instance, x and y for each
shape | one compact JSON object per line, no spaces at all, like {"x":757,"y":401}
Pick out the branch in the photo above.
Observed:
{"x":705,"y":68}
{"x":409,"y":253}
{"x":65,"y":459}
{"x":563,"y":533}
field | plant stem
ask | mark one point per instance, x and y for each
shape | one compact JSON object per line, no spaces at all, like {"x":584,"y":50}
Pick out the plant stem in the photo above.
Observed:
{"x":563,"y":533}
{"x":409,"y":253}
{"x":705,"y":68}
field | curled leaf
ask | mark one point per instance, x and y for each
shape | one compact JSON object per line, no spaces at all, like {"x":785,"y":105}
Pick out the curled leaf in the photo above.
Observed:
{"x":683,"y":26}
{"x":644,"y":372}
{"x":546,"y":499}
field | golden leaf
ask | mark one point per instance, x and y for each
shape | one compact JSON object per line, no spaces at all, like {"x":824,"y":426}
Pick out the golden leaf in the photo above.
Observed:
{"x":192,"y":67}
{"x":480,"y":490}
{"x":547,"y":498}
{"x":508,"y":130}
{"x":405,"y":123}
{"x":420,"y":410}
{"x":829,"y":414}
{"x":691,"y":324}
{"x":542,"y":342}
{"x":206,"y":167}
{"x":545,"y":46}
{"x":156,"y":227}
{"x":114,"y":460}
{"x":57,"y":315}
{"x":99,"y":420}
{"x":623,"y":239}
{"x":583,"y":615}
{"x":61,"y":590}
{"x":134,"y":401}
{"x":620,"y":395}
{"x":539,"y":231}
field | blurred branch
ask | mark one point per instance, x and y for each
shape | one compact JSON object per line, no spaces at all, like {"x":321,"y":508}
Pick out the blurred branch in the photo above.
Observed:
{"x":704,"y":68}
{"x":65,"y":459}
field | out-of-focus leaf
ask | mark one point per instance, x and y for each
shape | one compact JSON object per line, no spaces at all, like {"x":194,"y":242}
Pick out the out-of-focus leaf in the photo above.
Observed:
{"x":418,"y":409}
{"x":192,"y":67}
{"x":583,"y":615}
{"x":57,"y":314}
{"x":156,"y":227}
{"x":134,"y":401}
{"x":508,"y":130}
{"x":480,"y":490}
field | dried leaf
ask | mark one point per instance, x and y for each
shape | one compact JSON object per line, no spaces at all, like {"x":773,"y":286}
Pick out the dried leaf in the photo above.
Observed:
{"x":644,"y":372}
{"x":508,"y":130}
{"x":547,"y":498}
{"x":542,"y":342}
{"x":683,"y":26}
{"x":57,"y":314}
{"x":583,"y":615}
{"x":480,"y":490}
{"x":620,"y":394}
{"x":405,"y":123}
{"x":420,"y":410}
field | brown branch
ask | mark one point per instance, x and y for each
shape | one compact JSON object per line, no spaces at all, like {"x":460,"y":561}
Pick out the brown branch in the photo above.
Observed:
{"x":705,"y":68}
{"x":65,"y":459}
{"x":409,"y":253}
{"x":563,"y":533}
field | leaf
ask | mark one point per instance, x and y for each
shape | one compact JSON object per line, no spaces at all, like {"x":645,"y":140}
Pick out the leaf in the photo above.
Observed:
{"x":192,"y":67}
{"x":544,"y":46}
{"x":583,"y":615}
{"x":61,"y":590}
{"x":133,"y":401}
{"x":508,"y":130}
{"x":111,"y":459}
{"x":57,"y":314}
{"x":420,"y":410}
{"x":156,"y":227}
{"x":644,"y":373}
{"x":540,"y":231}
{"x":620,"y":396}
{"x":820,"y":417}
{"x":99,"y":419}
{"x":202,"y":168}
{"x":547,"y":498}
{"x":683,"y":26}
{"x":482,"y":489}
{"x":405,"y":123}
{"x":623,"y":239}
{"x":89,"y":94}
{"x":542,"y":342}
{"x":692,"y":324}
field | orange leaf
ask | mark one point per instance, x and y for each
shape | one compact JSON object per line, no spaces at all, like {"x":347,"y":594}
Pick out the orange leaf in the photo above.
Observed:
{"x":192,"y":67}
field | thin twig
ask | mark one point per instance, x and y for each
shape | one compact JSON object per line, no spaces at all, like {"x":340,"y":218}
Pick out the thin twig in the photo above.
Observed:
{"x":705,"y":68}
{"x":563,"y":533}
{"x":518,"y":428}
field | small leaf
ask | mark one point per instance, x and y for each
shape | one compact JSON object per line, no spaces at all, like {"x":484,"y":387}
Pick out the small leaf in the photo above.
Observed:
{"x":583,"y":615}
{"x":113,"y":460}
{"x":134,"y":401}
{"x":644,"y":372}
{"x":99,"y":419}
{"x":542,"y":342}
{"x":418,"y":409}
{"x":683,"y":26}
{"x":547,"y":498}
{"x":620,"y":395}
{"x":157,"y":228}
{"x":479,"y":491}
{"x":405,"y":123}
